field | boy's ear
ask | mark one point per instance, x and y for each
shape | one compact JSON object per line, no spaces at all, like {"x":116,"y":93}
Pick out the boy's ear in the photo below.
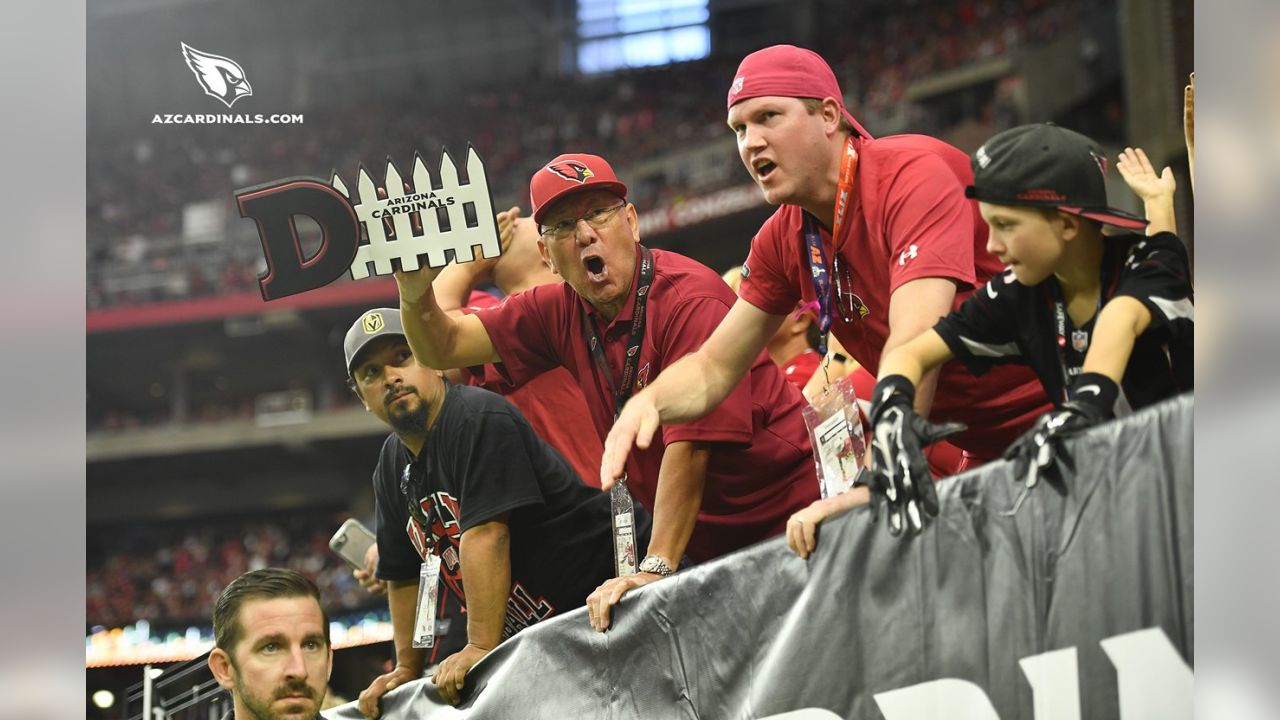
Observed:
{"x":1071,"y":225}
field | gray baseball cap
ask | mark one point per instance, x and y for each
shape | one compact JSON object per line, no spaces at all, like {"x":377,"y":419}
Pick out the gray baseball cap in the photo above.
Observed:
{"x":372,"y":325}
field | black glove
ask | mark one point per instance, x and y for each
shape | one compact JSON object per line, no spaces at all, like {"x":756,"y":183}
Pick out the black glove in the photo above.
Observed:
{"x":899,"y":470}
{"x":1090,"y":400}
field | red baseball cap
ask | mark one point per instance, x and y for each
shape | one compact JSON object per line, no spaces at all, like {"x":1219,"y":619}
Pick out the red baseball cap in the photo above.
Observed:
{"x":788,"y":71}
{"x":568,"y":174}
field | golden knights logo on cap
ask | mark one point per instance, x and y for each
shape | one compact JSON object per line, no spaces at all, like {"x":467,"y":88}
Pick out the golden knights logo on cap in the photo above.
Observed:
{"x":372,"y":323}
{"x":571,"y":170}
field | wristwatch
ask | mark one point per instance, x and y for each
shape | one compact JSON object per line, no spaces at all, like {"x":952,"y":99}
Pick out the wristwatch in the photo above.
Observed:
{"x":656,"y":565}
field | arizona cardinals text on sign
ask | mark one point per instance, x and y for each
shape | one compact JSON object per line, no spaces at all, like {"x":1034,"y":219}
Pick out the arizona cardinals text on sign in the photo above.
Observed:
{"x":221,"y":77}
{"x":453,"y":217}
{"x":456,"y":217}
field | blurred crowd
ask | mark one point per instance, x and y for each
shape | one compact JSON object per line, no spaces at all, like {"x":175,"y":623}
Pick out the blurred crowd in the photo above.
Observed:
{"x":170,"y":575}
{"x":160,"y":203}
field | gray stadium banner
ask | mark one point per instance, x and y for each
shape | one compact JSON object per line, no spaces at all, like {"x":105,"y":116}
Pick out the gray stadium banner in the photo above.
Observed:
{"x":1079,"y":605}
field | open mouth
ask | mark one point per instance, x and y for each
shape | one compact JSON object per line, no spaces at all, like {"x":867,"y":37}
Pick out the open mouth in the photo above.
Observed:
{"x":594,"y":265}
{"x":764,"y":169}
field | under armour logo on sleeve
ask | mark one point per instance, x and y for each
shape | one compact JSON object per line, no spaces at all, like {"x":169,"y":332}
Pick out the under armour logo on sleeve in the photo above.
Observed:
{"x":911,"y":253}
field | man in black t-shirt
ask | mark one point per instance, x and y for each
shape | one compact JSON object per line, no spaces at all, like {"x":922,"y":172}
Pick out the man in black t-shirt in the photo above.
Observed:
{"x":1106,"y":321}
{"x":464,"y":478}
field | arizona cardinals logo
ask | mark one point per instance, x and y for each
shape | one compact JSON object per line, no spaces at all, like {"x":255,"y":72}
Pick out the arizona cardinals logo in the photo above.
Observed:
{"x":572,"y":170}
{"x":221,"y":77}
{"x":1102,"y":163}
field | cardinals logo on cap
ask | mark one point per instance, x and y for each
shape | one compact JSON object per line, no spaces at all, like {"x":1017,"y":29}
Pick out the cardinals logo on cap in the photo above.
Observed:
{"x":737,"y":85}
{"x":221,"y":77}
{"x":571,"y":170}
{"x":1101,"y":160}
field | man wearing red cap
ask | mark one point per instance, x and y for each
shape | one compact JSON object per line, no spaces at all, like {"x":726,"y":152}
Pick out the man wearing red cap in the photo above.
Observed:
{"x":876,"y":232}
{"x":622,"y":315}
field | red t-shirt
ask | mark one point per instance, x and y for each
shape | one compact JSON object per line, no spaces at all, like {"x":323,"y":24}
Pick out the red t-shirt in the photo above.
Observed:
{"x":800,"y":368}
{"x":908,"y":219}
{"x":545,"y":401}
{"x":761,"y":467}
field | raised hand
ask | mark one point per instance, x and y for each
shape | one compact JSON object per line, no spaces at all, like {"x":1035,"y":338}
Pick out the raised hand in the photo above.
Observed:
{"x":1141,"y":176}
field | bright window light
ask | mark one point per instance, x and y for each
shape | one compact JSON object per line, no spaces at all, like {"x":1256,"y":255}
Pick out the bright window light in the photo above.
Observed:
{"x":616,"y":34}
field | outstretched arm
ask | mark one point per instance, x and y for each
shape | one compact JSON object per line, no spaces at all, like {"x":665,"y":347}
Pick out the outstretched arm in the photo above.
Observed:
{"x":1189,"y":126}
{"x":916,"y":358}
{"x":914,"y":308}
{"x":690,"y":388}
{"x":675,"y":511}
{"x":437,"y":339}
{"x":1120,"y":323}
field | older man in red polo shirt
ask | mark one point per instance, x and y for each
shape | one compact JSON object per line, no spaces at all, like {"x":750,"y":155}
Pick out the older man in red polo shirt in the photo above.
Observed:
{"x":875,"y":231}
{"x":622,"y":315}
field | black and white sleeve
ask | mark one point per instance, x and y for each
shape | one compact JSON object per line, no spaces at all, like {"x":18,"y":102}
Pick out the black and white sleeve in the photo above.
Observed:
{"x":1157,"y":274}
{"x":983,"y":332}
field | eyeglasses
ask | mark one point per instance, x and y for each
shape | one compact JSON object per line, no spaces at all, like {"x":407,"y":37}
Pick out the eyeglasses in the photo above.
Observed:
{"x":848,"y":304}
{"x":596,"y":218}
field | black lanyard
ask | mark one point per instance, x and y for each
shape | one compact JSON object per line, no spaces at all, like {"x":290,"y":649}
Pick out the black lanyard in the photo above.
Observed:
{"x":413,"y":493}
{"x":1060,"y":322}
{"x":622,"y":391}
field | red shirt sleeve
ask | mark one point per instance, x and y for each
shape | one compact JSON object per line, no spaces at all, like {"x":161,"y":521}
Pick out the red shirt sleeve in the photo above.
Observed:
{"x":522,"y":329}
{"x":689,"y":325}
{"x":928,"y":223}
{"x":766,"y":283}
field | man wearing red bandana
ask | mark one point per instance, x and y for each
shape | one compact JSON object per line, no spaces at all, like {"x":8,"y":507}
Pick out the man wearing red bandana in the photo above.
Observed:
{"x":876,"y":233}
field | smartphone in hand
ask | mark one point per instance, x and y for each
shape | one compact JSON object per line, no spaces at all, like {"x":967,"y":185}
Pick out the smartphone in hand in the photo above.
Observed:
{"x":352,"y":541}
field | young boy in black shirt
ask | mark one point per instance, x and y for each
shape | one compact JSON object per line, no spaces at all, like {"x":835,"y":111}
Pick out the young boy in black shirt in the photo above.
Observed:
{"x":1106,"y":321}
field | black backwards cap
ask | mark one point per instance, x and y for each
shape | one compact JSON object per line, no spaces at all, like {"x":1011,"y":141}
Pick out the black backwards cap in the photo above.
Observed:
{"x":1044,"y":165}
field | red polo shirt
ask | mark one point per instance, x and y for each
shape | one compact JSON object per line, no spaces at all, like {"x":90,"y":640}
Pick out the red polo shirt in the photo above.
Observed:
{"x":761,"y":467}
{"x":908,"y":219}
{"x":545,"y":401}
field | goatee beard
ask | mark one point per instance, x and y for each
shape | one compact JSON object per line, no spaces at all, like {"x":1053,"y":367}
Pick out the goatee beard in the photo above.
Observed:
{"x":410,"y":422}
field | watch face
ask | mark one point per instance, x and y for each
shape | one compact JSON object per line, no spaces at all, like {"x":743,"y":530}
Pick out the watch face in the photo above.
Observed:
{"x":654,"y":565}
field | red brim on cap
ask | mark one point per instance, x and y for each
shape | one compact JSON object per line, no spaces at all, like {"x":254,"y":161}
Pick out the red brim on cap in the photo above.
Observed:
{"x":617,"y":188}
{"x":1110,"y":216}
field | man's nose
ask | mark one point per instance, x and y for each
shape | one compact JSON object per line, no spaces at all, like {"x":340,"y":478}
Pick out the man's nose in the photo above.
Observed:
{"x":391,"y":375}
{"x":583,"y":233}
{"x":296,"y":667}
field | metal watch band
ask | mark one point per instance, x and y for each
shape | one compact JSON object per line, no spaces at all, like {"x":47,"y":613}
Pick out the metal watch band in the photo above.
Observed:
{"x":656,"y":565}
